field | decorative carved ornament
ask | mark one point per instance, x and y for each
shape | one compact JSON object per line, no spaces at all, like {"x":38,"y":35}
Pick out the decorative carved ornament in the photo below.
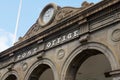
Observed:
{"x":55,"y":14}
{"x":32,"y":31}
{"x":65,"y":12}
{"x":116,"y":35}
{"x":60,"y":54}
{"x":24,"y":66}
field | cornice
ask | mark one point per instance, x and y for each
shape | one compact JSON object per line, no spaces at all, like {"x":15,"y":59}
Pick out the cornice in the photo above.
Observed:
{"x":79,"y":17}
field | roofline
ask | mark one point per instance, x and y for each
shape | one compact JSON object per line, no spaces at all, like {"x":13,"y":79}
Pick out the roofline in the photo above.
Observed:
{"x":95,"y":8}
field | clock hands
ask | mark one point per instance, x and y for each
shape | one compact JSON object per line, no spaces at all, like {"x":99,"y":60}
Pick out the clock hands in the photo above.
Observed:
{"x":48,"y":15}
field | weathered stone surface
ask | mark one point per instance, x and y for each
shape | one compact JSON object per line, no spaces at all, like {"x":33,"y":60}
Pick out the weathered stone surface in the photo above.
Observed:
{"x":79,"y":43}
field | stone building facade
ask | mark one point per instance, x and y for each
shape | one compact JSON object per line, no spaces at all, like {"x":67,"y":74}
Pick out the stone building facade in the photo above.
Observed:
{"x":68,"y":43}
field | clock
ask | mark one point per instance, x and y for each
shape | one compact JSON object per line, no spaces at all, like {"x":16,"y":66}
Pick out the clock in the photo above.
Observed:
{"x":47,"y":15}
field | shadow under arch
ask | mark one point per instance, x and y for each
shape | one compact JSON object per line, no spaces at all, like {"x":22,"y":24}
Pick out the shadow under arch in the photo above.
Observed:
{"x":42,"y":68}
{"x":81,"y":54}
{"x":11,"y":75}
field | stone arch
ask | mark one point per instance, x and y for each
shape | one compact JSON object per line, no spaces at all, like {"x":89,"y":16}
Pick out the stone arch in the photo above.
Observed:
{"x":44,"y":64}
{"x":94,"y":48}
{"x":11,"y":75}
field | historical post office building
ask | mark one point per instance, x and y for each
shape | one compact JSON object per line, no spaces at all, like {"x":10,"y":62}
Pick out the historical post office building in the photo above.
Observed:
{"x":67,"y":43}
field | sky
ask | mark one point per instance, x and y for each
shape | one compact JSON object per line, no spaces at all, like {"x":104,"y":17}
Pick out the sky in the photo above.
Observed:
{"x":29,"y":13}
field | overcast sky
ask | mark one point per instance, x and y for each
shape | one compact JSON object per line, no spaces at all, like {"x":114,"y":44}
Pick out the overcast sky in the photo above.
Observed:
{"x":30,"y":11}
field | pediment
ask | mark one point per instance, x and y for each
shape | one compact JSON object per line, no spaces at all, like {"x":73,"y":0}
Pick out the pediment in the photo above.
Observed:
{"x":60,"y":15}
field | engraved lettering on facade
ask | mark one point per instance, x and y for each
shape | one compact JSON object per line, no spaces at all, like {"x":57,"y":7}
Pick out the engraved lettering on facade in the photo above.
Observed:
{"x":58,"y":40}
{"x":69,"y":35}
{"x":27,"y":53}
{"x":62,"y":39}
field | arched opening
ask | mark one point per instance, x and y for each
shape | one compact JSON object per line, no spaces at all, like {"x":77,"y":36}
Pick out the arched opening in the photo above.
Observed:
{"x":89,"y":65}
{"x":42,"y":72}
{"x":11,"y":77}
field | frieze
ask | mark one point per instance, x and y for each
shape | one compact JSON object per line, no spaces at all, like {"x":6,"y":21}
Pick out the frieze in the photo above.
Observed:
{"x":106,"y":17}
{"x":7,"y":62}
{"x":102,"y":23}
{"x":28,"y":53}
{"x":62,"y":39}
{"x":105,"y":21}
{"x":90,"y":11}
{"x":23,"y":54}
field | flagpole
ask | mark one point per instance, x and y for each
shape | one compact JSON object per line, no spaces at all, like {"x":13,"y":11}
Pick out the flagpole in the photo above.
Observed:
{"x":17,"y":21}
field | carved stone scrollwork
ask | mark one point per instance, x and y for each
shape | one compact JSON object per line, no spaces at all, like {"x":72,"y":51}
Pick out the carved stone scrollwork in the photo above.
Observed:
{"x":69,"y":11}
{"x":86,"y":4}
{"x":65,"y":12}
{"x":59,"y":15}
{"x":33,"y":30}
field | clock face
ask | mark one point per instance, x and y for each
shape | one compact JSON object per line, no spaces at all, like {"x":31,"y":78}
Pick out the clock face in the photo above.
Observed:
{"x":47,"y":16}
